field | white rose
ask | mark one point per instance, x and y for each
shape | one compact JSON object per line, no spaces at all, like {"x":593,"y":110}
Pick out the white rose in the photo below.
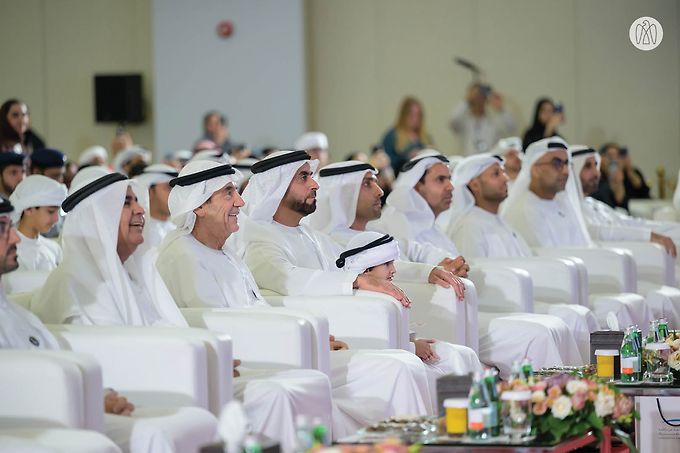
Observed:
{"x":676,"y":344}
{"x":576,"y":386}
{"x":561,"y":407}
{"x":604,"y":404}
{"x":538,"y":396}
{"x":674,"y":360}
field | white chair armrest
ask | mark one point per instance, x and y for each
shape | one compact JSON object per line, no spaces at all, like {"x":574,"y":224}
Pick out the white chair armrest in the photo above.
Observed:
{"x":53,"y":440}
{"x":437,"y":313}
{"x":50,"y":389}
{"x":555,"y":280}
{"x":262,"y":338}
{"x":152,"y":366}
{"x":364,"y":321}
{"x":503,"y":289}
{"x":653,"y":263}
{"x":609,"y":270}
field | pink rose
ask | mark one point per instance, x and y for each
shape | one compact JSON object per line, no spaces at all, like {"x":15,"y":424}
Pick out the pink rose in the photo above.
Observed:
{"x":540,"y":408}
{"x":592,"y":396}
{"x":540,"y":385}
{"x":554,"y":392}
{"x":578,"y":401}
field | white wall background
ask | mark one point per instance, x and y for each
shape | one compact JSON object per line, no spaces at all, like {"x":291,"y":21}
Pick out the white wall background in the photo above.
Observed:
{"x":365,"y":56}
{"x":342,"y":66}
{"x":51,"y":51}
{"x":256,"y":77}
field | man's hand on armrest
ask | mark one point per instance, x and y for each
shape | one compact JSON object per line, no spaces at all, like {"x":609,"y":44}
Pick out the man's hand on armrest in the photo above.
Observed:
{"x":369,"y":283}
{"x":665,"y":242}
{"x":117,"y":404}
{"x":336,"y":345}
{"x":456,"y":265}
{"x":447,"y":279}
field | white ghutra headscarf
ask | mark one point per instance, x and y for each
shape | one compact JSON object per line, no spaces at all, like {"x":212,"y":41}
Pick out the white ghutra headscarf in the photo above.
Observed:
{"x":91,"y":284}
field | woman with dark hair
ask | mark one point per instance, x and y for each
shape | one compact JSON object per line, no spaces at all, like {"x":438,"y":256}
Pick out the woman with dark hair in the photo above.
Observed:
{"x":547,"y":117}
{"x":15,"y":128}
{"x":408,"y":136}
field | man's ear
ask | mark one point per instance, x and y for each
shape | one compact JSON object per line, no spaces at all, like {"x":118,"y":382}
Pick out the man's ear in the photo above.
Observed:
{"x":475,"y":186}
{"x":199,"y":211}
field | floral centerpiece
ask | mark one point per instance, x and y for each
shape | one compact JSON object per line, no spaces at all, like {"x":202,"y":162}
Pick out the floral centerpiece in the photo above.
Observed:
{"x":673,"y":340}
{"x":567,"y":406}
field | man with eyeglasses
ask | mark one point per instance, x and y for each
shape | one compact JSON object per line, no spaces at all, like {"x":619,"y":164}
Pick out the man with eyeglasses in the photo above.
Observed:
{"x":538,"y":206}
{"x":543,"y":206}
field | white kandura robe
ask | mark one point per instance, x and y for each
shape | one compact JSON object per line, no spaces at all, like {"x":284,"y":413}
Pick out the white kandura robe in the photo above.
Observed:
{"x":363,"y":382}
{"x":610,"y":224}
{"x":305,"y":250}
{"x":198,"y":276}
{"x":546,"y":340}
{"x":148,"y":430}
{"x":485,"y":235}
{"x":606,"y":224}
{"x":36,"y":258}
{"x":552,"y":223}
{"x":155,"y":231}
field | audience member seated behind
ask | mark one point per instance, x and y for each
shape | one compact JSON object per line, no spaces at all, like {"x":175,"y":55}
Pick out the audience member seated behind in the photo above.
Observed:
{"x":621,"y":181}
{"x":15,"y":128}
{"x":216,"y":129}
{"x":547,"y":118}
{"x":408,"y":136}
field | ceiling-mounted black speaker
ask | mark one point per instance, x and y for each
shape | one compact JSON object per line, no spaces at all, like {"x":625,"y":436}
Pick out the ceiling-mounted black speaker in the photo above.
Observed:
{"x":118,"y":98}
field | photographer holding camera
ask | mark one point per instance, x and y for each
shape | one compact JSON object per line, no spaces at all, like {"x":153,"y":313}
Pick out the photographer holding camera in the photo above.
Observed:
{"x":548,"y":115}
{"x":619,"y":175}
{"x":477,"y":129}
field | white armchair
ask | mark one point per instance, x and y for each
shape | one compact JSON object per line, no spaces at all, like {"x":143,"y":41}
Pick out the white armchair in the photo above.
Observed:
{"x":554,"y":280}
{"x":608,"y":269}
{"x":367,"y":320}
{"x":654,"y":265}
{"x":50,"y":389}
{"x":55,"y":440}
{"x":156,"y":366}
{"x":51,"y":401}
{"x":268,"y":337}
{"x":437,"y":313}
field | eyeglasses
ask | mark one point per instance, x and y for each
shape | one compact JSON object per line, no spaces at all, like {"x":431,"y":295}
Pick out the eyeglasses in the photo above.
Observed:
{"x":556,"y":163}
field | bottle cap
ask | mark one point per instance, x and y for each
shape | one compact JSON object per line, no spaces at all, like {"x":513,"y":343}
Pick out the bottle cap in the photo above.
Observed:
{"x":456,"y":403}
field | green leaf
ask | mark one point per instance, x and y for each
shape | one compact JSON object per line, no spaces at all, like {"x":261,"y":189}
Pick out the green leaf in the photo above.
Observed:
{"x":595,"y":421}
{"x":625,"y":438}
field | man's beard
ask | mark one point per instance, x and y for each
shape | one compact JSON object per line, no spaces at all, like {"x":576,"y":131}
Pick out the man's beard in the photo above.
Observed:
{"x":7,"y":266}
{"x":301,"y":207}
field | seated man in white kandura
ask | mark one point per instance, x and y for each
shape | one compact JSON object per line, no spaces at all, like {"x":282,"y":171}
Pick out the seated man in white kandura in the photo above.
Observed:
{"x":130,"y":429}
{"x":102,"y":281}
{"x":541,"y":209}
{"x":289,"y":259}
{"x":422,"y":192}
{"x":478,"y":231}
{"x":606,"y":224}
{"x":201,"y":271}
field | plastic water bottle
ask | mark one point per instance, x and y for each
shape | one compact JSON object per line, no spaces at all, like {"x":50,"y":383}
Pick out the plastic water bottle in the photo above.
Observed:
{"x":303,"y":434}
{"x":479,"y":410}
